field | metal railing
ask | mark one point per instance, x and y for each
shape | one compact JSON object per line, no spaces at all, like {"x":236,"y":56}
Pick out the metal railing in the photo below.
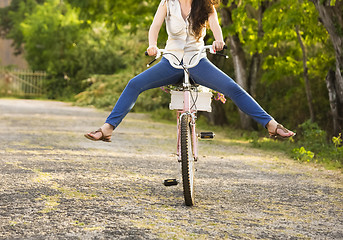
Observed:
{"x":21,"y":82}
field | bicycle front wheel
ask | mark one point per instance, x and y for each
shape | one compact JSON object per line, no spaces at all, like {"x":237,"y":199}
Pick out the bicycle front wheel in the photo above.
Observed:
{"x":187,"y":160}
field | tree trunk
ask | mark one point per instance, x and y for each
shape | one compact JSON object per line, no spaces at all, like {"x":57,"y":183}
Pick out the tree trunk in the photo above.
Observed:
{"x":307,"y":81}
{"x":217,"y":116}
{"x":334,"y":104}
{"x":332,"y":19}
{"x":239,"y":60}
{"x":256,"y":59}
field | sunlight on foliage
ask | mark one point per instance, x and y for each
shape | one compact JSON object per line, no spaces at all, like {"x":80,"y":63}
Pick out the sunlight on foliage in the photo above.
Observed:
{"x":337,"y":140}
{"x":302,"y":155}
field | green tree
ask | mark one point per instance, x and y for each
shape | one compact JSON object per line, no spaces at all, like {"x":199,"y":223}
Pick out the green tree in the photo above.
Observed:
{"x":331,"y":16}
{"x":12,"y":16}
{"x":272,"y":60}
{"x":56,"y":40}
{"x":295,"y":44}
{"x":51,"y":35}
{"x":118,"y":14}
{"x":243,"y":30}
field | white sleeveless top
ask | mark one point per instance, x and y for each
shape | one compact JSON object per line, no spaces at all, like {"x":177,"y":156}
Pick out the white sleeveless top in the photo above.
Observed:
{"x":181,"y":41}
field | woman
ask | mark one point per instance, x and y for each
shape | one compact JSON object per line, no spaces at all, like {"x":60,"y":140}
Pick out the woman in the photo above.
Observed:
{"x":186,"y":22}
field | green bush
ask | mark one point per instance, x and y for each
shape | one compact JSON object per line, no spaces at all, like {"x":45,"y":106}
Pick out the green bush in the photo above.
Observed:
{"x":312,"y":137}
{"x":67,"y":48}
{"x":314,"y":146}
{"x":105,"y":90}
{"x":302,"y":154}
{"x":338,"y":153}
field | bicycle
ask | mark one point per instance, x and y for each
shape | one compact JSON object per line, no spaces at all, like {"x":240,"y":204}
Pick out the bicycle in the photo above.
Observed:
{"x":187,"y":100}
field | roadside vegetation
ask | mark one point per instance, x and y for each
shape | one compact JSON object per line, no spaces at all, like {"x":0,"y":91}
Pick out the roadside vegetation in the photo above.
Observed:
{"x":310,"y":145}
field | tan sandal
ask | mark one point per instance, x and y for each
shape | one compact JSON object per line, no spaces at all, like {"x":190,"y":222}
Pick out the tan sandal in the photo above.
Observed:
{"x":276,"y":135}
{"x":102,"y":138}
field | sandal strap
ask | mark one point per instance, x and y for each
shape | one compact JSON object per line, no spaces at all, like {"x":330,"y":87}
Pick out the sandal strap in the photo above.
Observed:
{"x":99,"y":130}
{"x":103,"y":137}
{"x":102,"y":134}
{"x":276,"y":135}
{"x":279,"y":126}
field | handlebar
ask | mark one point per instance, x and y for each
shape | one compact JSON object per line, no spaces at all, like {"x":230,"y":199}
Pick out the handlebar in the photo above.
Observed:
{"x":160,"y":52}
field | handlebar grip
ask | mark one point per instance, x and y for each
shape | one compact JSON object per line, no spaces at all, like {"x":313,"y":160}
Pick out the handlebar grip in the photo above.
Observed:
{"x":221,"y":54}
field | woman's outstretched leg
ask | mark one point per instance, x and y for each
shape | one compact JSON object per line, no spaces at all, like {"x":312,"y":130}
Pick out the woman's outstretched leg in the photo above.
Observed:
{"x":159,"y":75}
{"x":207,"y":74}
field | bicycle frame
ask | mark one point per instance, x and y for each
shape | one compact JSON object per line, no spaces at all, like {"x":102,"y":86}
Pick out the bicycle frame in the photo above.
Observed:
{"x":187,"y":139}
{"x":187,"y":101}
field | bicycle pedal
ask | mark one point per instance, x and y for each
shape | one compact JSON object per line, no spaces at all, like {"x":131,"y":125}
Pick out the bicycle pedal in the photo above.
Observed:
{"x":170,"y":182}
{"x":207,"y":135}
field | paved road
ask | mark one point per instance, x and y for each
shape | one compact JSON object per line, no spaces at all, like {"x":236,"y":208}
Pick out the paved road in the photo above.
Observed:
{"x":55,"y":184}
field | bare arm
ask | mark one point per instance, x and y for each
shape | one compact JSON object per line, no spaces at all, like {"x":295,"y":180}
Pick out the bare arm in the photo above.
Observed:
{"x":155,"y":29}
{"x":218,"y":44}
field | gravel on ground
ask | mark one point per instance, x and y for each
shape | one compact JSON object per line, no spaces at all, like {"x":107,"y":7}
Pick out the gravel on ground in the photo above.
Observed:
{"x":56,"y":184}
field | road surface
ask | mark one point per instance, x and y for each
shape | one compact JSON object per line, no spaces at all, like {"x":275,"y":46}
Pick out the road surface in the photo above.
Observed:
{"x":56,"y":184}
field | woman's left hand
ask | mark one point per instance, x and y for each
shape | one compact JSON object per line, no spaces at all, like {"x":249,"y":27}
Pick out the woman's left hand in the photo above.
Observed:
{"x":218,"y":45}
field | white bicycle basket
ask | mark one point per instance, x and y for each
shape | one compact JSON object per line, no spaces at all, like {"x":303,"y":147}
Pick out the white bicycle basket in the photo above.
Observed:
{"x":202,"y":101}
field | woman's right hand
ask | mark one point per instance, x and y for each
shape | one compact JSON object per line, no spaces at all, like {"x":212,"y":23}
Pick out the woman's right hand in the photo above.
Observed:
{"x":218,"y":45}
{"x":152,"y":50}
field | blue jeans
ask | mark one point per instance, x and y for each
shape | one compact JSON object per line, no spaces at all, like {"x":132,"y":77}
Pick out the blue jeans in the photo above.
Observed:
{"x":205,"y":73}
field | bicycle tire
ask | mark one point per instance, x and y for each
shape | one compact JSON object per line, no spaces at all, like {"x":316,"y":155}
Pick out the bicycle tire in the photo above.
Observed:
{"x":187,"y":160}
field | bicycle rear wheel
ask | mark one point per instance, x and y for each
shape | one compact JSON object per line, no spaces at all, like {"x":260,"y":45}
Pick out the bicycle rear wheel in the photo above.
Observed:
{"x":187,"y":160}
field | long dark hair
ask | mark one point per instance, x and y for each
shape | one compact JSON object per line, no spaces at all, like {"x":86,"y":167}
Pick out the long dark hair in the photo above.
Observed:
{"x":200,"y":11}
